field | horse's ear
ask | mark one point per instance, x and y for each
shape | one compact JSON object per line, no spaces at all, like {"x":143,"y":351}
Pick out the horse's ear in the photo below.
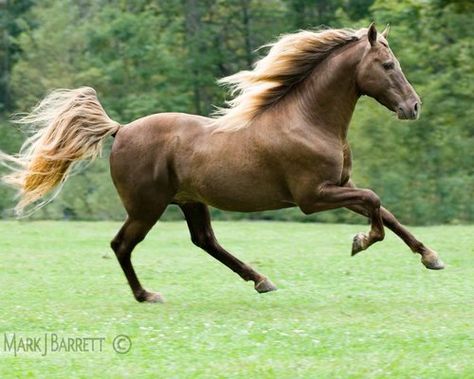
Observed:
{"x":386,"y":31}
{"x":372,"y":34}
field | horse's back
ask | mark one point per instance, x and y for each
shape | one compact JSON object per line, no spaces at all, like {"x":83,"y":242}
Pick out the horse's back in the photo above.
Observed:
{"x":159,"y":125}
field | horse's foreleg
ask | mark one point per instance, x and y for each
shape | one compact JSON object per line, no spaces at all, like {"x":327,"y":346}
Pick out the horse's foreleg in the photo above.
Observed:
{"x":132,"y":233}
{"x":428,"y":257}
{"x":332,"y":196}
{"x":202,"y":235}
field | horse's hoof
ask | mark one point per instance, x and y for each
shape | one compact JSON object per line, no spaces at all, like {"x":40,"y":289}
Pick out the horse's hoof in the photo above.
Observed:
{"x":432,"y":261}
{"x":265,"y":285}
{"x":151,"y":297}
{"x":358,"y":243}
{"x":154,"y":297}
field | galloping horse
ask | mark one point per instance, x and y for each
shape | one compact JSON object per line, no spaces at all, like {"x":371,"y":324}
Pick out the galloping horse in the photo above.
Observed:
{"x":281,"y":142}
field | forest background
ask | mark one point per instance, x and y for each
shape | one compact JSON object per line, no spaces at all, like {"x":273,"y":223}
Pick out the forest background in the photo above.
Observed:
{"x":150,"y":56}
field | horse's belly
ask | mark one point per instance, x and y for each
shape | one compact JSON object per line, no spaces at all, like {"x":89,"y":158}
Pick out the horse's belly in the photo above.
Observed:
{"x":253,"y":204}
{"x":238,"y":195}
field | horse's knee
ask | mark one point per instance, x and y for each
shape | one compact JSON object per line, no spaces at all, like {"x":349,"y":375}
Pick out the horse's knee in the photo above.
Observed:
{"x":370,"y":198}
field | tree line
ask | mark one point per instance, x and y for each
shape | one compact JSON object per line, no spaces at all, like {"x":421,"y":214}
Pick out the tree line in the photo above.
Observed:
{"x":150,"y":56}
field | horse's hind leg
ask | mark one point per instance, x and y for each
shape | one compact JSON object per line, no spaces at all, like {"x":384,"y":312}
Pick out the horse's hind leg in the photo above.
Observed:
{"x":142,"y":215}
{"x":202,"y":235}
{"x":133,"y":232}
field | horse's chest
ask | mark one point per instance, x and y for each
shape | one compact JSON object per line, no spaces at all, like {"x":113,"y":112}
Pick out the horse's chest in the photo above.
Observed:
{"x":323,"y":162}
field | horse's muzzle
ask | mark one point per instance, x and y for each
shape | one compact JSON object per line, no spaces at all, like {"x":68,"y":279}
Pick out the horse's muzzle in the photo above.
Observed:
{"x":409,"y":110}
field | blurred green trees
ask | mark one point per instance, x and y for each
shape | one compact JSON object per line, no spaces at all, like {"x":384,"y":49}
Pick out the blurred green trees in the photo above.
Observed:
{"x":149,"y":56}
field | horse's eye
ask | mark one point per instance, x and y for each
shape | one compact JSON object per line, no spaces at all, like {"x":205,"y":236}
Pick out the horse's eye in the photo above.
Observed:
{"x":388,"y":65}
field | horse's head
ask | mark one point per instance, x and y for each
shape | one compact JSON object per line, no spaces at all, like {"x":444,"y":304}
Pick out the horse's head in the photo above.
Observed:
{"x":380,"y":76}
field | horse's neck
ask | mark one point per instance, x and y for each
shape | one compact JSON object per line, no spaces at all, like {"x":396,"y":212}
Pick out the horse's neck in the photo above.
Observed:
{"x":329,"y":94}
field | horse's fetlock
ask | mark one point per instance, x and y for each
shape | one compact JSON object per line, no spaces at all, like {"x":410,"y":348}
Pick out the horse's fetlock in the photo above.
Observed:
{"x":140,"y":295}
{"x":380,"y":236}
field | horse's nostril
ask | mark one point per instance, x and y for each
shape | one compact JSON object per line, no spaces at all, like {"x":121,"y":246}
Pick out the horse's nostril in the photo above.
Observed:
{"x":416,"y":108}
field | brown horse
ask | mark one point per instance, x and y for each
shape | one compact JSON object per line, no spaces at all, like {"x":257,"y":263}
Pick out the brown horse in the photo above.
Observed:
{"x":282,"y":142}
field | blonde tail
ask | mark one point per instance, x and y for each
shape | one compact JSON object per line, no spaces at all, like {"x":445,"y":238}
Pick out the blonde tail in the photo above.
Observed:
{"x":68,"y":126}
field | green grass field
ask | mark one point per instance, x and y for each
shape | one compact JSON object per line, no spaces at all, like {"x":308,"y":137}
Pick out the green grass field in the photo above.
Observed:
{"x":380,"y":314}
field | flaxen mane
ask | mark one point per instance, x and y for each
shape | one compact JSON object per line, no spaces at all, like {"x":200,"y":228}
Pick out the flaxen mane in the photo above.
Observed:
{"x":289,"y":61}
